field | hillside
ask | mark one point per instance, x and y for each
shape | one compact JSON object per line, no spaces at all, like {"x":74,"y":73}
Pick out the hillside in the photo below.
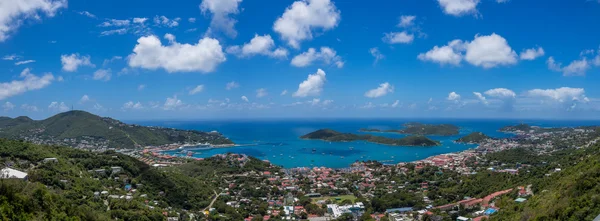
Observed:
{"x":421,"y":129}
{"x":335,"y":136}
{"x":475,"y":137}
{"x":84,"y":130}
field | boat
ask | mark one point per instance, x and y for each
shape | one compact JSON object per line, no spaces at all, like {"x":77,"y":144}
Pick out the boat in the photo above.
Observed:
{"x":351,"y":148}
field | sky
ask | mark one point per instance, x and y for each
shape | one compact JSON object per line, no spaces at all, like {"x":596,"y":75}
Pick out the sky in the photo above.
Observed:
{"x":246,"y":59}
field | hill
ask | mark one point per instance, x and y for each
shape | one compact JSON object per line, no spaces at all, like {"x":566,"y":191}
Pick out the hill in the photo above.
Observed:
{"x":475,"y":137}
{"x":335,"y":136}
{"x":421,"y":129}
{"x":85,"y":130}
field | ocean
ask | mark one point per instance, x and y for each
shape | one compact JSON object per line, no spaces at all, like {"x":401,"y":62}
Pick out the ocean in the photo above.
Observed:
{"x":278,"y":140}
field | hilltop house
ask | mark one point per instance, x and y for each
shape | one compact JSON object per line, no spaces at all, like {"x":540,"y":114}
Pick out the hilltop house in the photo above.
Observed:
{"x":9,"y":173}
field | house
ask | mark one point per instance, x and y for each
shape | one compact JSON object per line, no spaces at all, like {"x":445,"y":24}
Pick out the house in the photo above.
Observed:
{"x":116,"y":169}
{"x":9,"y":173}
{"x":50,"y":160}
{"x":400,"y":210}
{"x":461,"y":218}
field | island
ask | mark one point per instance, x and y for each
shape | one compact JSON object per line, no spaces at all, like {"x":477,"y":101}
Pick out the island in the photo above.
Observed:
{"x":335,"y":136}
{"x":473,"y":138}
{"x":414,"y":128}
{"x":516,"y":128}
{"x":84,"y":130}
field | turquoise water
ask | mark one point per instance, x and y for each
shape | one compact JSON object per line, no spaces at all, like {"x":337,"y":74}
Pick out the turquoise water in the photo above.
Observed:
{"x":278,"y":140}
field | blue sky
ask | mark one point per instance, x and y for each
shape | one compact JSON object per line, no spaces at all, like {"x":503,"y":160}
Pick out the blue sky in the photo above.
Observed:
{"x":308,"y":58}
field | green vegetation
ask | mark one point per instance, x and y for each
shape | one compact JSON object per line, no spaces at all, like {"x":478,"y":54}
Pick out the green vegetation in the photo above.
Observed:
{"x":335,"y":136}
{"x":421,"y":129}
{"x":98,"y":131}
{"x":521,"y":127}
{"x":475,"y":137}
{"x":336,"y":199}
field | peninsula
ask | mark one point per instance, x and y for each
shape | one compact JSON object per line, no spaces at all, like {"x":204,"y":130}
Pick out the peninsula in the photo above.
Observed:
{"x":473,"y":138}
{"x":335,"y":136}
{"x":421,"y":129}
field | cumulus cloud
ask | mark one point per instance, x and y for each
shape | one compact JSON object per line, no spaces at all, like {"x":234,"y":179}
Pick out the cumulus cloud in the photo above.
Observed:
{"x":244,"y":98}
{"x":259,"y":45}
{"x":302,"y":17}
{"x":261,"y":92}
{"x":284,"y":92}
{"x":86,"y":13}
{"x":191,"y":20}
{"x":11,"y":57}
{"x":115,"y":23}
{"x":480,"y":97}
{"x":102,"y":75}
{"x":396,"y":104}
{"x":376,"y":54}
{"x":231,"y":85}
{"x":383,"y":89}
{"x":70,"y":63}
{"x":406,"y":21}
{"x":58,"y":107}
{"x":130,"y":105}
{"x":14,"y":13}
{"x":120,"y":31}
{"x":196,"y":89}
{"x":325,"y":54}
{"x":28,"y":82}
{"x":485,"y":51}
{"x":459,"y":7}
{"x":29,"y":108}
{"x":312,"y":86}
{"x":575,"y":68}
{"x":501,"y":93}
{"x":8,"y":106}
{"x":398,"y":38}
{"x":221,"y":11}
{"x":532,"y":53}
{"x":139,"y":20}
{"x":563,"y":94}
{"x":84,"y":98}
{"x":453,"y":96}
{"x":150,"y":53}
{"x":172,"y":103}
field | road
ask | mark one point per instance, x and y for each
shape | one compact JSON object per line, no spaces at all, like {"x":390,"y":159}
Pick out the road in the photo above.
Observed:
{"x":213,"y":201}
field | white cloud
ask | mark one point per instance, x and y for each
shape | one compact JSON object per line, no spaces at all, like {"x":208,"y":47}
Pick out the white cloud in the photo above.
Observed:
{"x":383,"y":89}
{"x":166,"y":22}
{"x":368,"y":105}
{"x":172,"y":103}
{"x":326,"y":55}
{"x":130,"y":105}
{"x":563,"y":94}
{"x":86,"y":13}
{"x":480,"y":97}
{"x":102,"y":75}
{"x":532,"y":53}
{"x":459,"y":7}
{"x":326,"y":102}
{"x":221,"y":14}
{"x":396,"y":104}
{"x":261,"y":92}
{"x":13,"y":13}
{"x":485,"y":51}
{"x":141,"y":87}
{"x":84,"y":98}
{"x":575,"y":68}
{"x":24,"y":62}
{"x":312,"y":86}
{"x":139,"y":20}
{"x":70,"y":63}
{"x":11,"y":57}
{"x":8,"y":106}
{"x":489,"y":51}
{"x":244,"y":98}
{"x":60,"y":79}
{"x":259,"y":45}
{"x":447,"y":54}
{"x":407,"y":21}
{"x":29,"y":82}
{"x":30,"y":108}
{"x":376,"y":54}
{"x":453,"y":96}
{"x":302,"y":17}
{"x":501,"y":93}
{"x":191,"y":20}
{"x":120,"y":31}
{"x":398,"y":38}
{"x":58,"y":107}
{"x":108,"y":61}
{"x":115,"y":23}
{"x":231,"y":85}
{"x":197,"y":89}
{"x":204,"y":56}
{"x":284,"y":92}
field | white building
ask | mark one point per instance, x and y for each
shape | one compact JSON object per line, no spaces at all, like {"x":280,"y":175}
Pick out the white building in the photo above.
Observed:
{"x":337,"y":211}
{"x":9,"y":173}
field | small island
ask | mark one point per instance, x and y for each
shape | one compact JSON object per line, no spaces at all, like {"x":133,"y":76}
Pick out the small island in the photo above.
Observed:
{"x":335,"y":136}
{"x":421,"y":129}
{"x":473,"y":138}
{"x":516,"y":128}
